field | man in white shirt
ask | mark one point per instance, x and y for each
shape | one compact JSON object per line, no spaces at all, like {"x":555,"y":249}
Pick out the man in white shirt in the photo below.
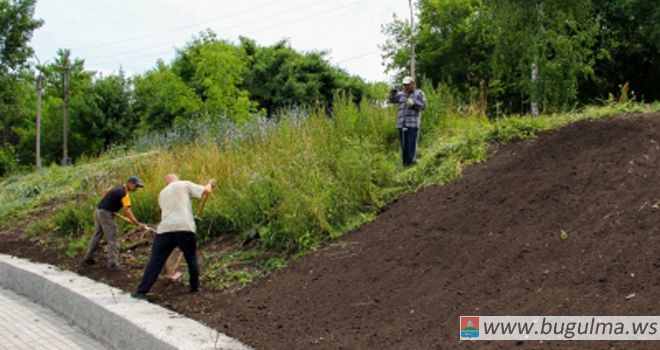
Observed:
{"x":176,"y":229}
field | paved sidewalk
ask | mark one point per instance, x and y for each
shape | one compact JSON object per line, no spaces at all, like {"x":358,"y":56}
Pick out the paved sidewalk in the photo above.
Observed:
{"x":26,"y":325}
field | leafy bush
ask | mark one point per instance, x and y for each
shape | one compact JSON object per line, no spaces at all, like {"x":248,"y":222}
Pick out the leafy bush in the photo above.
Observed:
{"x":73,"y":219}
{"x":8,"y":160}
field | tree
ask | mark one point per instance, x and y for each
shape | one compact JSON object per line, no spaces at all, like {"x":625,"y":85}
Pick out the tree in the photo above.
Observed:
{"x":626,"y":49}
{"x":102,"y":114}
{"x":521,"y":53}
{"x":278,"y":77}
{"x":396,"y":54}
{"x":114,"y":99}
{"x":543,"y":49}
{"x":214,"y":69}
{"x":161,"y":97}
{"x":16,"y":26}
{"x":454,"y":44}
{"x":20,"y":103}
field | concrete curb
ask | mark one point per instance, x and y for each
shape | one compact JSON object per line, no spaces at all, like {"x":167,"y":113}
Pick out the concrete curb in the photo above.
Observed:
{"x":108,"y":313}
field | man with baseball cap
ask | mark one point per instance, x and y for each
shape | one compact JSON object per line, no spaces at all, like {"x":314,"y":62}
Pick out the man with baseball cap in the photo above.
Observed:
{"x":113,"y":200}
{"x":411,"y":104}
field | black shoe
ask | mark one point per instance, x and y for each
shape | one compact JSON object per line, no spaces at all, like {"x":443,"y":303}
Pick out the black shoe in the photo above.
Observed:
{"x":89,"y":261}
{"x":138,"y":295}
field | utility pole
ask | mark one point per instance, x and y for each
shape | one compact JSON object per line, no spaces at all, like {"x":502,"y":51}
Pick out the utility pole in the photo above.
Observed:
{"x":412,"y":40}
{"x":40,"y":90}
{"x":65,"y":106}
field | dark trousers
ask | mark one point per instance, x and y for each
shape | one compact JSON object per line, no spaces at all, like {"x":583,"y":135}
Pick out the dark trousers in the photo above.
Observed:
{"x":164,"y":244}
{"x":408,"y":140}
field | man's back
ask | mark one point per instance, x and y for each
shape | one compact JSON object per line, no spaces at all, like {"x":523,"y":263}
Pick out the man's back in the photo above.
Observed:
{"x":176,"y":207}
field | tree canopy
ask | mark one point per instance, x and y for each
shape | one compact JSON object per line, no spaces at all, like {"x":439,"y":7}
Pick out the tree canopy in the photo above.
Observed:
{"x":554,"y":52}
{"x":209,"y":80}
{"x":507,"y":55}
{"x":17,"y":23}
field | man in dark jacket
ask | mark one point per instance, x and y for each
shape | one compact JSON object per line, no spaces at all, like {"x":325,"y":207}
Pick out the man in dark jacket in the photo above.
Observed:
{"x":114,"y":199}
{"x":411,"y":104}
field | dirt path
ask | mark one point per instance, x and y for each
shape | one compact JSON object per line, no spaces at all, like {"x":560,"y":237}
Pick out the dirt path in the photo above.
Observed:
{"x":487,"y":244}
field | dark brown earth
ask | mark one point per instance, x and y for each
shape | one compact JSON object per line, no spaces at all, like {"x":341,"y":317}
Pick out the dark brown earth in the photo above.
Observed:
{"x":486,"y":244}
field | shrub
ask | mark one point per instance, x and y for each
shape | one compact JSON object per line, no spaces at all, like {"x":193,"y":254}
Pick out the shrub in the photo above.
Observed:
{"x":73,"y":218}
{"x":8,"y":160}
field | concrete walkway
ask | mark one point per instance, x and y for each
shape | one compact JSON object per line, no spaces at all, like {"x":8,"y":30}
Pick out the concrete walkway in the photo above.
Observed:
{"x":27,"y":325}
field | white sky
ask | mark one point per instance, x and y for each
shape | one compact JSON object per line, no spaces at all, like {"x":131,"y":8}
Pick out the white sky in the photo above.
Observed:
{"x":133,"y":34}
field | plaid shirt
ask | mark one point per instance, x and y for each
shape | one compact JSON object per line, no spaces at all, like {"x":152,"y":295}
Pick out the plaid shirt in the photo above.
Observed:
{"x":409,"y":117}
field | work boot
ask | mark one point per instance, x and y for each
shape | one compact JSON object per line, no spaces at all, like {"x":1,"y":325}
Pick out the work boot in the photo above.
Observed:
{"x":89,"y":261}
{"x":138,"y":295}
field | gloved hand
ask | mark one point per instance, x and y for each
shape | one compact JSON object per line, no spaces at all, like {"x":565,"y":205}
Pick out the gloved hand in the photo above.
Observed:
{"x":410,"y":102}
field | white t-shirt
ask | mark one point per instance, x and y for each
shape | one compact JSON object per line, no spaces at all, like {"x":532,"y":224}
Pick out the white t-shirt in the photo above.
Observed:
{"x":176,"y":206}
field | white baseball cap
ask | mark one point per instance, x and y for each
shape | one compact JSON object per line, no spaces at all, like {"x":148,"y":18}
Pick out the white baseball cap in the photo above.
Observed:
{"x":408,"y":80}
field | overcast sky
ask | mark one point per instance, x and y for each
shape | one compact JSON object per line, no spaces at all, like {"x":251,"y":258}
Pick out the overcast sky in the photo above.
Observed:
{"x":133,"y":34}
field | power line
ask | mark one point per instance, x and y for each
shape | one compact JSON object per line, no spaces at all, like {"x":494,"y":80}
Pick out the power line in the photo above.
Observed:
{"x":170,"y":43}
{"x":133,"y":58}
{"x":128,"y":52}
{"x":370,"y":53}
{"x":169,"y":51}
{"x":209,"y":21}
{"x":178,"y":28}
{"x":358,"y":56}
{"x":310,"y":16}
{"x":246,"y":23}
{"x":258,"y":20}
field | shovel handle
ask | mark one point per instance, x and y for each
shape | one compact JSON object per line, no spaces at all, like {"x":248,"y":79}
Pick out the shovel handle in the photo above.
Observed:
{"x":205,"y":197}
{"x":130,"y":222}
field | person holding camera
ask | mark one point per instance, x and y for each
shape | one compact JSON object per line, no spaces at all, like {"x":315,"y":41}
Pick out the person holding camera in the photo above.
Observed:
{"x":411,"y":104}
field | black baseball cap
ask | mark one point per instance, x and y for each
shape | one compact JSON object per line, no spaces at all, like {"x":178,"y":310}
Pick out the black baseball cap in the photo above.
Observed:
{"x":136,"y":181}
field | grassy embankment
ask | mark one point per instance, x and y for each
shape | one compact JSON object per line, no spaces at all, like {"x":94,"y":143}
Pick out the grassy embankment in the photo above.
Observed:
{"x":288,"y":185}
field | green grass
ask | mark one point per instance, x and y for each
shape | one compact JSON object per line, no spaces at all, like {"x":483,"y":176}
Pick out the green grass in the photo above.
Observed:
{"x":291,"y":184}
{"x":26,"y":193}
{"x":235,"y":269}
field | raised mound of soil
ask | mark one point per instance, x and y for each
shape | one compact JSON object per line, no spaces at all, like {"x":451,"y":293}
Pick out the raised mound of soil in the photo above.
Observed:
{"x":490,"y":243}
